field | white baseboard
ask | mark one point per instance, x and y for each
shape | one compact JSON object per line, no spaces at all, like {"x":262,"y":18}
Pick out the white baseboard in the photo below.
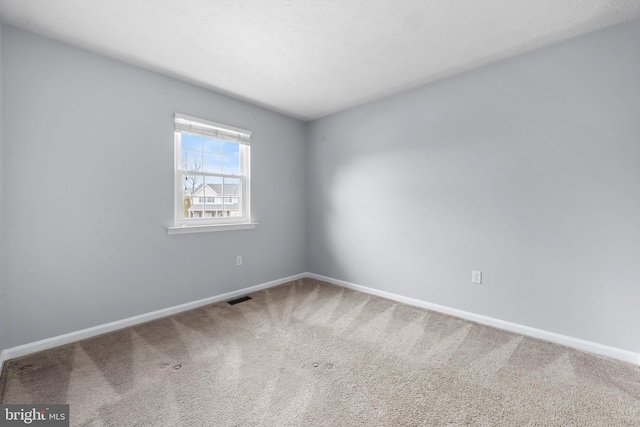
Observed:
{"x":576,"y":343}
{"x":2,"y":359}
{"x":34,"y":347}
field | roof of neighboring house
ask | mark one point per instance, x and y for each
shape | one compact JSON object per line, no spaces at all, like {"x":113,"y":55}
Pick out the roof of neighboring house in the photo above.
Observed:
{"x":229,"y":189}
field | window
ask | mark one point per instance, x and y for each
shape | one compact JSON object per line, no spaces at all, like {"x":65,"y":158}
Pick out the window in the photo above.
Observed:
{"x":211,"y":165}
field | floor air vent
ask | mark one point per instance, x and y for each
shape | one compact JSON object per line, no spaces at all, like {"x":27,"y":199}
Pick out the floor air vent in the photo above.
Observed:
{"x":239,"y":300}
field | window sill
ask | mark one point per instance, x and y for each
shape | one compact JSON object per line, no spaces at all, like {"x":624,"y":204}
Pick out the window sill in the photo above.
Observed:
{"x":185,"y":229}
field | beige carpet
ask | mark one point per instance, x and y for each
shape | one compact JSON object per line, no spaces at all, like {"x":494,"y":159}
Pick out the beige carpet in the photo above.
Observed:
{"x":312,"y":354}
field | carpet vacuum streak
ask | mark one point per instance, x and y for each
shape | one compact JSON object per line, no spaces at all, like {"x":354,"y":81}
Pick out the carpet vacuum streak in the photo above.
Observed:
{"x":308,"y":353}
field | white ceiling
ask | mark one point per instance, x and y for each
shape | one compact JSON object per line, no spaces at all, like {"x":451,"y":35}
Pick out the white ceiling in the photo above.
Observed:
{"x":310,"y":58}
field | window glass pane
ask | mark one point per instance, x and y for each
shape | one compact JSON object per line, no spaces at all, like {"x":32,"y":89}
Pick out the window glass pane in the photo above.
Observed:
{"x":230,"y":148}
{"x":212,"y":196}
{"x":213,"y":186}
{"x":212,"y":163}
{"x":232,"y":187}
{"x":192,"y":196}
{"x":234,"y":207}
{"x":231,"y":159}
{"x":212,"y":145}
{"x":232,"y":194}
{"x":191,"y":142}
{"x":187,"y":207}
{"x":192,"y":185}
{"x":191,"y":160}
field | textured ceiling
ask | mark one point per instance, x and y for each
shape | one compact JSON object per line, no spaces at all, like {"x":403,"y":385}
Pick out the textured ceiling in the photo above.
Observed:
{"x":310,"y":58}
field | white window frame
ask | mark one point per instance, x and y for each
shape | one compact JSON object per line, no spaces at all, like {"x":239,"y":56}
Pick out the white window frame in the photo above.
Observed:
{"x":206,"y":128}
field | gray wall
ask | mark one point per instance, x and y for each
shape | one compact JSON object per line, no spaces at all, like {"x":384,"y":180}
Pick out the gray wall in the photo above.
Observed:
{"x":2,"y":296}
{"x":528,"y":169}
{"x":88,"y":191}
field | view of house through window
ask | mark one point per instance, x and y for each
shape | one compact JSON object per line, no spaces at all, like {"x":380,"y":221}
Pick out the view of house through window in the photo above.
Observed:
{"x":212,"y":172}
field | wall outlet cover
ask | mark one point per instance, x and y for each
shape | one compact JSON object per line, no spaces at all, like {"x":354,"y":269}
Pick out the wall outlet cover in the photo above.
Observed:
{"x":476,"y":276}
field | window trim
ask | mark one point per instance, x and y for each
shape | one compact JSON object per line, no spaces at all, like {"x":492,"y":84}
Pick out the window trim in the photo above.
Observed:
{"x":184,"y":124}
{"x":187,"y":229}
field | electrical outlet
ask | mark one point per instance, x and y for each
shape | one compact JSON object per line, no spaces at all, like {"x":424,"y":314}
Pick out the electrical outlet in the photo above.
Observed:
{"x":476,"y":276}
{"x":239,"y":260}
